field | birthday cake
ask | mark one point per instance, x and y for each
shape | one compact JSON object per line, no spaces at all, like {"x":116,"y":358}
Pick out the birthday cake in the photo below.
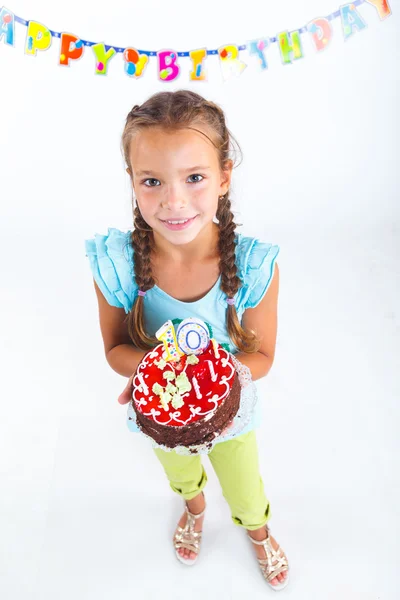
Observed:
{"x":186,"y":390}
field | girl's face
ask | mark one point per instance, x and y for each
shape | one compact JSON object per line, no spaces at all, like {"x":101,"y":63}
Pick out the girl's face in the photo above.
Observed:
{"x":177,"y":181}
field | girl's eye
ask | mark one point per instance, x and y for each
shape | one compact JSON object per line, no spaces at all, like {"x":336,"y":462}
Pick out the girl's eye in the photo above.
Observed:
{"x":196,"y":175}
{"x":150,"y":179}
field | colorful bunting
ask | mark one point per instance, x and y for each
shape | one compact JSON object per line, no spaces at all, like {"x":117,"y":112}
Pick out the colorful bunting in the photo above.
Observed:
{"x":39,"y":38}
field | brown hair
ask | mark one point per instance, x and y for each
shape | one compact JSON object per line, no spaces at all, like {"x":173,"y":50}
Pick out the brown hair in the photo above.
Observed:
{"x":173,"y":110}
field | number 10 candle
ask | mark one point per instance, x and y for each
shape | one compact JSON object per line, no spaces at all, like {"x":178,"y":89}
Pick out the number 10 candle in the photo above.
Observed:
{"x":166,"y":334}
{"x":192,"y":337}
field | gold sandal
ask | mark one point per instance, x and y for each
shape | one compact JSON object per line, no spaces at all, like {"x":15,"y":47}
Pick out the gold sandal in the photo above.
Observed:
{"x":275,"y":563}
{"x":187,"y":537}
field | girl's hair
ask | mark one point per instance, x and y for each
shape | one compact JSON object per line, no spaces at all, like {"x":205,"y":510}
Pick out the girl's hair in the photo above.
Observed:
{"x":172,"y":111}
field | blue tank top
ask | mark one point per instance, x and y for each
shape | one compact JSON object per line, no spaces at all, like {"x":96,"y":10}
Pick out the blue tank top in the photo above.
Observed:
{"x":111,"y":259}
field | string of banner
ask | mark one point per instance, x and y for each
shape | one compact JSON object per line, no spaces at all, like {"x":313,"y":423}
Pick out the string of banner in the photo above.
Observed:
{"x":135,"y":61}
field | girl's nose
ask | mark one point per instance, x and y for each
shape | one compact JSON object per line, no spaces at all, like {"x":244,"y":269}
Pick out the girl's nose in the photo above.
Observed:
{"x":173,"y":199}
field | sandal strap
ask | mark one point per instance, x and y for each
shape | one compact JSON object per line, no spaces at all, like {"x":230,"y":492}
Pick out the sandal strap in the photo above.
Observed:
{"x":276,"y":561}
{"x":188,"y":545}
{"x":198,"y":515}
{"x":187,"y":537}
{"x":193,"y":515}
{"x":269,"y":575}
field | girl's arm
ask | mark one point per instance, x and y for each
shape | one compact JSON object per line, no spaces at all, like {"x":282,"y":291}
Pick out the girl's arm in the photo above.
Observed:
{"x":263,"y":319}
{"x":124,"y":359}
{"x":121,"y":354}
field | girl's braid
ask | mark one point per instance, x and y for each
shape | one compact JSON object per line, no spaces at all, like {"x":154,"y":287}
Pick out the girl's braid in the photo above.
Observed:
{"x":142,"y":242}
{"x":246,"y":341}
{"x":230,"y":281}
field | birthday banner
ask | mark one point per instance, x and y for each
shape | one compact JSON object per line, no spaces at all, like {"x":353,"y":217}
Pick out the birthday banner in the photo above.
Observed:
{"x":135,"y":61}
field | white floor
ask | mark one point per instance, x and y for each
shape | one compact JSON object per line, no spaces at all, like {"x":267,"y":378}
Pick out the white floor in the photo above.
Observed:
{"x":85,"y":509}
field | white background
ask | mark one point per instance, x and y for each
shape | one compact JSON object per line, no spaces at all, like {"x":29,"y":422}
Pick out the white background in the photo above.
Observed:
{"x":85,"y":509}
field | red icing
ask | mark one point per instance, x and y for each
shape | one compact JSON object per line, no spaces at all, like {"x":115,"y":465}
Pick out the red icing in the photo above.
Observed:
{"x":153,"y":374}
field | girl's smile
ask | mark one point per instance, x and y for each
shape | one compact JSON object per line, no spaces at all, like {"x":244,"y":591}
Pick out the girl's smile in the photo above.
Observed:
{"x":178,"y":224}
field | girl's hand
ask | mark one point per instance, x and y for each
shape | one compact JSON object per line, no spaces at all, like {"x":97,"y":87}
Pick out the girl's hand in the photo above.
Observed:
{"x":126,"y":395}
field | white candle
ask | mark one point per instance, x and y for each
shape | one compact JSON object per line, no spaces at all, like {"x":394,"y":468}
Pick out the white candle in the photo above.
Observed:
{"x":196,"y":388}
{"x":215,"y":347}
{"x":212,"y":372}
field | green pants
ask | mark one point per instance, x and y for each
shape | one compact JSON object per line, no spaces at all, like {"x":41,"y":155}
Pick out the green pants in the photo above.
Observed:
{"x":236,"y":465}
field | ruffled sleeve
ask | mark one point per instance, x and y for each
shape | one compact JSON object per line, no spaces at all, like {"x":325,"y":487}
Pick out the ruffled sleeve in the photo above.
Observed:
{"x":111,"y":263}
{"x":255,"y":261}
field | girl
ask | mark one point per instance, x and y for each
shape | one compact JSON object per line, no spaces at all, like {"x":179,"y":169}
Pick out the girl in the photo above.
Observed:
{"x":182,"y":259}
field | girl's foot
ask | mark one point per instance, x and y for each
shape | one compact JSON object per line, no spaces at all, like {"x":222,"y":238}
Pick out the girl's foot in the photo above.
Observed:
{"x":195,"y":506}
{"x":261,"y":535}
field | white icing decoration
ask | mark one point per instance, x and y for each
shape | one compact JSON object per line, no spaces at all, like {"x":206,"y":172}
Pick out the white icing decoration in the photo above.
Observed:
{"x":174,"y":417}
{"x":145,"y":389}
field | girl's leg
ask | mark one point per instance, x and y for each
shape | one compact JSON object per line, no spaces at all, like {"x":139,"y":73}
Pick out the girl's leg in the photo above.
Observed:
{"x":186,"y":474}
{"x":237,"y":467}
{"x":187,"y":477}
